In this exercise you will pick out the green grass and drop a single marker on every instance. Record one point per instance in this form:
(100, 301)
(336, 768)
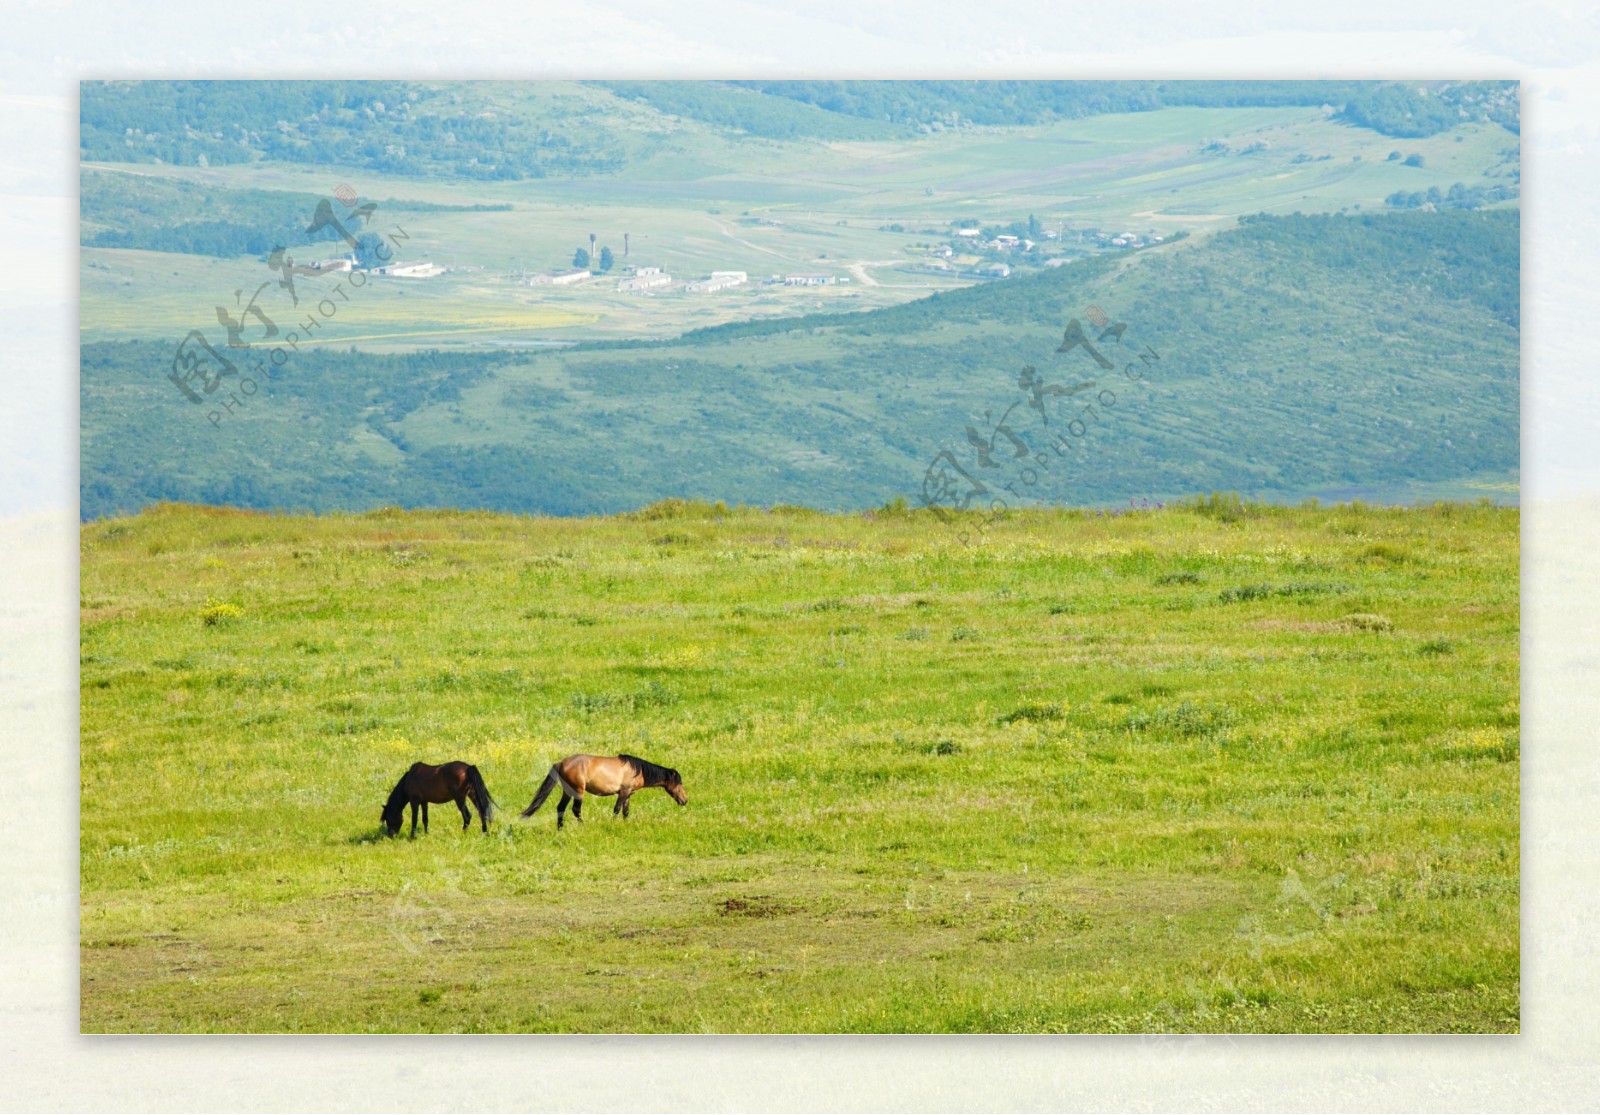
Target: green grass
(1072, 779)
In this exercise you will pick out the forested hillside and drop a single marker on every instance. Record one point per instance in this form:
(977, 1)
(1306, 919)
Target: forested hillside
(170, 215)
(393, 127)
(1296, 356)
(1394, 107)
(495, 131)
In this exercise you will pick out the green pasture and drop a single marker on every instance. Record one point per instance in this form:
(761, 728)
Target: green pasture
(692, 199)
(1216, 767)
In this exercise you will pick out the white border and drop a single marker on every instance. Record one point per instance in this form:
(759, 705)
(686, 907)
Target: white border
(49, 47)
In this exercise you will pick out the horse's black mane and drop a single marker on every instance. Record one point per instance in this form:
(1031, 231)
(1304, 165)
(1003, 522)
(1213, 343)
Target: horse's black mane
(653, 774)
(397, 799)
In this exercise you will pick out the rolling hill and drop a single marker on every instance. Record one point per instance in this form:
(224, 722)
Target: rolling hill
(1293, 356)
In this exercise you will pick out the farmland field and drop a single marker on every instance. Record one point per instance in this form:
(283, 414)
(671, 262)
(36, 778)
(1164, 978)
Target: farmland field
(706, 201)
(1213, 767)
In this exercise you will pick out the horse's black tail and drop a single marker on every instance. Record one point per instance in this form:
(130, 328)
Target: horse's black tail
(551, 780)
(486, 804)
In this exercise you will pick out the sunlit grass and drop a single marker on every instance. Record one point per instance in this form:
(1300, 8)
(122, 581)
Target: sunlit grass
(1073, 778)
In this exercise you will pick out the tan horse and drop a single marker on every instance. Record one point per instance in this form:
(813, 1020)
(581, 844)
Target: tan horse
(581, 775)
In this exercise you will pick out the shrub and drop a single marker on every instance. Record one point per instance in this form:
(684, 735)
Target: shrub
(1034, 713)
(654, 695)
(1382, 551)
(679, 509)
(1225, 507)
(1184, 719)
(1293, 588)
(1244, 592)
(216, 612)
(1183, 577)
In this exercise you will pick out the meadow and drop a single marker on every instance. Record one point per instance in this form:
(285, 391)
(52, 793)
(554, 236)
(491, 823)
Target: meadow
(1212, 767)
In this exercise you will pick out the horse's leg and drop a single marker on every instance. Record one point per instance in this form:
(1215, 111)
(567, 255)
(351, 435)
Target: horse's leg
(424, 816)
(466, 814)
(622, 804)
(577, 808)
(561, 811)
(413, 820)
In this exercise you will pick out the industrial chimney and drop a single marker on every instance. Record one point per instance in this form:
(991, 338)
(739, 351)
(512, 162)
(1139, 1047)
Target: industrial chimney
(624, 245)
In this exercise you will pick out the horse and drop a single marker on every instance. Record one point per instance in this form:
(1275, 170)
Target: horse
(422, 784)
(580, 775)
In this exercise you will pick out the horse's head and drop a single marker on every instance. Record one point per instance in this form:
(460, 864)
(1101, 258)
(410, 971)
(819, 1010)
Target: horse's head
(674, 786)
(393, 813)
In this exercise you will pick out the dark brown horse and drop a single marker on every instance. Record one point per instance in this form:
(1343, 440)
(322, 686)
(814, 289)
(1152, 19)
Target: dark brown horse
(581, 775)
(423, 784)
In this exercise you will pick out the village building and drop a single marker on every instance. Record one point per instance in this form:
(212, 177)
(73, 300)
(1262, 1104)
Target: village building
(719, 280)
(808, 280)
(413, 270)
(645, 278)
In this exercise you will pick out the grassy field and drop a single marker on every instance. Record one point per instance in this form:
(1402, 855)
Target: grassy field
(1211, 768)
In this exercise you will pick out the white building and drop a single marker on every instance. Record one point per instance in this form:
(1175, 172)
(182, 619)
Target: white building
(421, 270)
(807, 280)
(645, 278)
(720, 280)
(569, 276)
